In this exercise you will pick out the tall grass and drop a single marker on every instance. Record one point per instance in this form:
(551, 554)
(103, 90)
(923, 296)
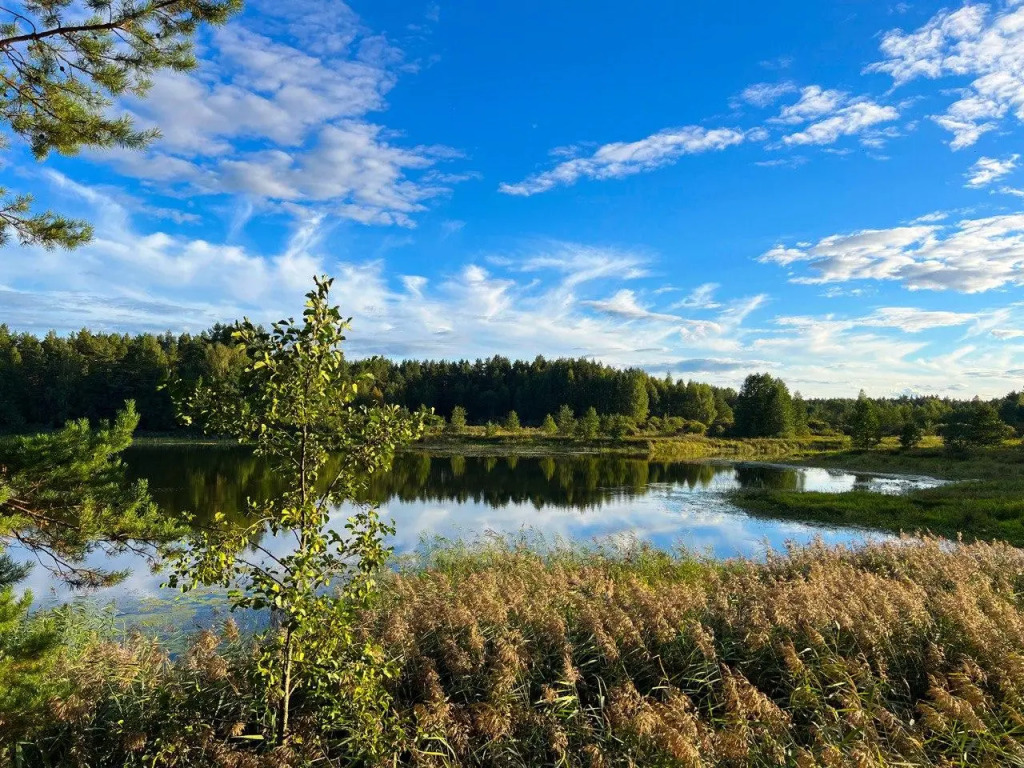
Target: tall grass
(897, 654)
(910, 653)
(696, 447)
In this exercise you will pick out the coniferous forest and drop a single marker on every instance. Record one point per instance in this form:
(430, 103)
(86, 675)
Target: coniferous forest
(47, 381)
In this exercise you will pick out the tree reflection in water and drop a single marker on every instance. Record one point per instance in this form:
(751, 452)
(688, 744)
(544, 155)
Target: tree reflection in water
(204, 480)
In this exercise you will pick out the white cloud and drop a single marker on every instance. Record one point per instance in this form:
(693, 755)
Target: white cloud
(287, 123)
(702, 297)
(624, 304)
(765, 94)
(553, 299)
(582, 263)
(989, 169)
(930, 218)
(971, 256)
(620, 159)
(855, 118)
(914, 320)
(814, 102)
(972, 42)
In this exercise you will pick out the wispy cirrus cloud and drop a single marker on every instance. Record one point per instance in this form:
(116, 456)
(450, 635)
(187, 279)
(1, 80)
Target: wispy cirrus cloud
(619, 159)
(624, 304)
(701, 297)
(765, 94)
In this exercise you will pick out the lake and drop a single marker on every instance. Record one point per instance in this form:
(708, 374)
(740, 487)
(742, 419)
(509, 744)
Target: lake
(559, 498)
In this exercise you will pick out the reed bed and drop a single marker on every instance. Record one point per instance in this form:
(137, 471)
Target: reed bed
(907, 653)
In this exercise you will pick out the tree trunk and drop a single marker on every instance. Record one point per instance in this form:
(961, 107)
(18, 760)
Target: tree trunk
(286, 690)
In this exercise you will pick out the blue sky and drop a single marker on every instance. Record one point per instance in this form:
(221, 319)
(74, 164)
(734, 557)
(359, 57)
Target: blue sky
(830, 191)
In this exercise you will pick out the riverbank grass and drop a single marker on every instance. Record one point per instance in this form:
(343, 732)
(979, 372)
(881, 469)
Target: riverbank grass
(984, 499)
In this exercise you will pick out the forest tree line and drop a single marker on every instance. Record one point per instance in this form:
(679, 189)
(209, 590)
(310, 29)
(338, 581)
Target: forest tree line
(44, 382)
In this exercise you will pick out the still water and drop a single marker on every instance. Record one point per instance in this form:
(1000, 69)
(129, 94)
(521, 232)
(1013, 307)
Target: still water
(564, 498)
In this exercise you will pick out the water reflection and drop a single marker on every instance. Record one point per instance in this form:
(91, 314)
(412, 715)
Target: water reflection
(572, 498)
(204, 480)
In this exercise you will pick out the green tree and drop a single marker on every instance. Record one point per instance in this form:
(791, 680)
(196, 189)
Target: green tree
(800, 417)
(1011, 411)
(297, 406)
(566, 421)
(490, 429)
(763, 407)
(972, 425)
(724, 418)
(618, 425)
(28, 657)
(698, 403)
(63, 496)
(590, 424)
(512, 422)
(457, 423)
(63, 64)
(865, 428)
(910, 434)
(636, 401)
(548, 426)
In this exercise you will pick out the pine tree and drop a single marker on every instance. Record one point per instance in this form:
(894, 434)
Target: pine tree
(63, 66)
(64, 495)
(29, 648)
(548, 426)
(512, 422)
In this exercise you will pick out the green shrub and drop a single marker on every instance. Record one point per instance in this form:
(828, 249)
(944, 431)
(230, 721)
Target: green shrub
(457, 422)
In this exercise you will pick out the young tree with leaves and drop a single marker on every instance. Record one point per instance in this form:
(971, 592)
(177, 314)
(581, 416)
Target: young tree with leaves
(865, 427)
(63, 64)
(566, 421)
(457, 423)
(911, 434)
(297, 406)
(590, 424)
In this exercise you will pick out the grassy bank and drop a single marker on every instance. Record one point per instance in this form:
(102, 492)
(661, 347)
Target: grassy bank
(532, 442)
(690, 448)
(904, 655)
(985, 499)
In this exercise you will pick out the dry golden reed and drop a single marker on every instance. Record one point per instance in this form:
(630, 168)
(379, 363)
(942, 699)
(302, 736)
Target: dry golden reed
(904, 653)
(907, 653)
